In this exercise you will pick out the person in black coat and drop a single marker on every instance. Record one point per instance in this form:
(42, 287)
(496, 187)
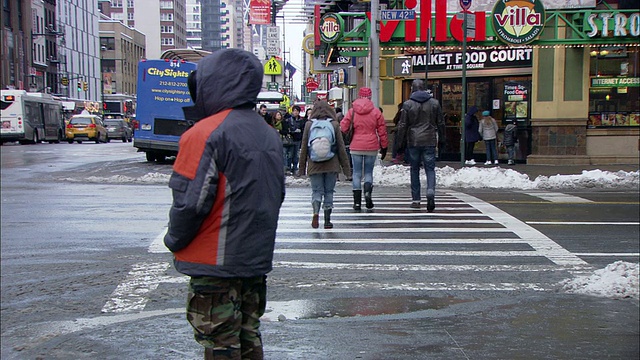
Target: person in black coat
(471, 134)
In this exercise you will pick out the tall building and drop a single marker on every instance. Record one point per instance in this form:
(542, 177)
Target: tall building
(79, 49)
(221, 21)
(15, 24)
(194, 30)
(121, 47)
(163, 22)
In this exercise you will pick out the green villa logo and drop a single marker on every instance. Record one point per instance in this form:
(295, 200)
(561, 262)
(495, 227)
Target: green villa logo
(518, 22)
(330, 28)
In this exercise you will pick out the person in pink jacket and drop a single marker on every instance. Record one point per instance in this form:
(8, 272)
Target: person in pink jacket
(369, 136)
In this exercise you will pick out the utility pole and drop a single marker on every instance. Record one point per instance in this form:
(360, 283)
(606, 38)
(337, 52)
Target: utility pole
(374, 46)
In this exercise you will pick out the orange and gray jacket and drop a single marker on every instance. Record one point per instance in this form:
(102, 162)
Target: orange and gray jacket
(227, 181)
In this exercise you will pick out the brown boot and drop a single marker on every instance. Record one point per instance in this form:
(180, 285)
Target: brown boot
(316, 216)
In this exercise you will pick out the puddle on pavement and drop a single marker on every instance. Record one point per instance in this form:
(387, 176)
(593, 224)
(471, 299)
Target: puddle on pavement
(350, 307)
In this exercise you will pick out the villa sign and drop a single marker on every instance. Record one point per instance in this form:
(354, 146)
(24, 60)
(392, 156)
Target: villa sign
(518, 22)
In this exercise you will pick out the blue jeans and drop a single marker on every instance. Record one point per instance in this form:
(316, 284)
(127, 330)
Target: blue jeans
(288, 151)
(425, 156)
(360, 161)
(492, 153)
(511, 150)
(296, 156)
(323, 185)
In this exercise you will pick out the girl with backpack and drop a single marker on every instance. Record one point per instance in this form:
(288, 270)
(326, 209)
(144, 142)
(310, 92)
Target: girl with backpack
(369, 136)
(330, 157)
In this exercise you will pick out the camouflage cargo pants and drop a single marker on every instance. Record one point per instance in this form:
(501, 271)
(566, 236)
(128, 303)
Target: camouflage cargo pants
(225, 315)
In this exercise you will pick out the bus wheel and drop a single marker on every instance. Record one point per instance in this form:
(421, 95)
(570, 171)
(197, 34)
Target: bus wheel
(79, 141)
(161, 158)
(151, 156)
(70, 141)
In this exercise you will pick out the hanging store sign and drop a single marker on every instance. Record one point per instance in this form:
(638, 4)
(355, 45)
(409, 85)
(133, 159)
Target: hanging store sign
(612, 24)
(479, 59)
(615, 82)
(330, 28)
(518, 22)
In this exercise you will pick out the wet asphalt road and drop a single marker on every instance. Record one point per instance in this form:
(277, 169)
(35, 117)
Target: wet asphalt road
(84, 274)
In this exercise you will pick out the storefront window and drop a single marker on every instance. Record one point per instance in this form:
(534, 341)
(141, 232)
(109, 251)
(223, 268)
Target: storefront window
(614, 89)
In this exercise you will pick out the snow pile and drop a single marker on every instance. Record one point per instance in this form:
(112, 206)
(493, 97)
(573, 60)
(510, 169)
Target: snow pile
(589, 179)
(149, 178)
(446, 177)
(618, 280)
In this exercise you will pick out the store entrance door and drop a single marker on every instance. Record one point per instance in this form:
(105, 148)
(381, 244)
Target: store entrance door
(478, 94)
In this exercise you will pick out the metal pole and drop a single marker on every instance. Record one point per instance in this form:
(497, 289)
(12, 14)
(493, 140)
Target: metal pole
(427, 56)
(464, 85)
(375, 53)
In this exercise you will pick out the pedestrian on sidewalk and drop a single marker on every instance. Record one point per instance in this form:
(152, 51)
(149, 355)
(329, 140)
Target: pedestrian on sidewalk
(488, 129)
(323, 174)
(471, 135)
(369, 137)
(510, 138)
(420, 130)
(227, 186)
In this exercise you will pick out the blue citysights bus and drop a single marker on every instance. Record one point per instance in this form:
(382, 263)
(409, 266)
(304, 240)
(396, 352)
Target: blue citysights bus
(162, 94)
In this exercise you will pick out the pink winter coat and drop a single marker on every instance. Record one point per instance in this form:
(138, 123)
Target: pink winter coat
(369, 128)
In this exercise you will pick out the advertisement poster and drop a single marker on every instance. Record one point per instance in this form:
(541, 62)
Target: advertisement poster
(516, 101)
(260, 12)
(601, 119)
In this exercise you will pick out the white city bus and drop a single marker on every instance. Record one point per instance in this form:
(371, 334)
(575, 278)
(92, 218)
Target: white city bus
(30, 117)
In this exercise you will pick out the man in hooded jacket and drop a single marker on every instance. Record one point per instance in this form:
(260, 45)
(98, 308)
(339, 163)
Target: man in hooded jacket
(419, 130)
(228, 186)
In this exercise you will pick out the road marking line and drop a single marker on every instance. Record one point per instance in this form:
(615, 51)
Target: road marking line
(609, 254)
(132, 294)
(580, 223)
(409, 214)
(395, 230)
(453, 222)
(421, 267)
(428, 286)
(558, 197)
(157, 245)
(531, 253)
(400, 241)
(541, 243)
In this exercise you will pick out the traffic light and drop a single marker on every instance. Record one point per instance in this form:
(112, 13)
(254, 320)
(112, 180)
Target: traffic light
(85, 86)
(79, 85)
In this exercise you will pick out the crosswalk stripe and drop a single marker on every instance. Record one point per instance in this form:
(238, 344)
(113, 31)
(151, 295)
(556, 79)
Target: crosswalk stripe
(410, 252)
(423, 267)
(396, 230)
(395, 221)
(543, 245)
(558, 197)
(299, 240)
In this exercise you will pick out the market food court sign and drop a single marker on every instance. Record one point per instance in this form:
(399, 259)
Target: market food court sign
(479, 59)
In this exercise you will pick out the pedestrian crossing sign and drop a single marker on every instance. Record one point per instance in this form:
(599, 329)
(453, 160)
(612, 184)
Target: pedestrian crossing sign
(272, 67)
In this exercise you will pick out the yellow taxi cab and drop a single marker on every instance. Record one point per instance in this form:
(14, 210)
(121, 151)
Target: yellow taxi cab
(86, 127)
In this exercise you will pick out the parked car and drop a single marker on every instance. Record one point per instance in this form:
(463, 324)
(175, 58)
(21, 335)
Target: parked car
(118, 129)
(86, 127)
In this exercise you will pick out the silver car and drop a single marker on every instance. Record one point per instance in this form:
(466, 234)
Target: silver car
(118, 129)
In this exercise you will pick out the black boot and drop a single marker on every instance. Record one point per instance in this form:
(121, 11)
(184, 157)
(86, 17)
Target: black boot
(316, 214)
(327, 219)
(357, 200)
(431, 203)
(368, 187)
